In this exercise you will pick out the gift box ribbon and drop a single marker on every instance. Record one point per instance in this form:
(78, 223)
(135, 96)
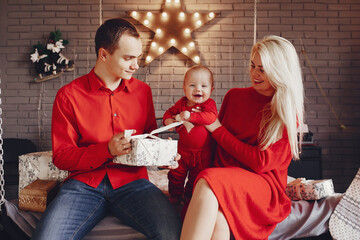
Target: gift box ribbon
(151, 135)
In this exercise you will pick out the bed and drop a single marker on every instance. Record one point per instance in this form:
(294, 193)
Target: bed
(307, 219)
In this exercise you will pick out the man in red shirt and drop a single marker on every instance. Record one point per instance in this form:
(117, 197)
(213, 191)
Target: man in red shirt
(89, 117)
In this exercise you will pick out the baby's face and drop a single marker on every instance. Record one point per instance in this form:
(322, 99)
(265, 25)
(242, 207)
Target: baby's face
(197, 87)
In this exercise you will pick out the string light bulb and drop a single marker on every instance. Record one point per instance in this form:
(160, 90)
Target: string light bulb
(172, 27)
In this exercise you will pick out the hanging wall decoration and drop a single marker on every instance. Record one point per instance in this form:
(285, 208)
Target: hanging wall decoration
(172, 28)
(48, 60)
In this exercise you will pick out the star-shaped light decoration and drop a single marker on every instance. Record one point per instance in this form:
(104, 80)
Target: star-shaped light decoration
(172, 28)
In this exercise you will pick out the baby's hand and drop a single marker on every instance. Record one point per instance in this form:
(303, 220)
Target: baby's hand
(185, 115)
(169, 121)
(197, 109)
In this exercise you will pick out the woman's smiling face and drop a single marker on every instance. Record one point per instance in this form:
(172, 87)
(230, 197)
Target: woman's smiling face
(259, 80)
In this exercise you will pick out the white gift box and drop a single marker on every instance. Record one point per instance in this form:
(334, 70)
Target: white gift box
(149, 150)
(38, 165)
(302, 189)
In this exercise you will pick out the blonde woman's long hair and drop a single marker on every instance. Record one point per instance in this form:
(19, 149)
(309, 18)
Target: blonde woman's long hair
(286, 109)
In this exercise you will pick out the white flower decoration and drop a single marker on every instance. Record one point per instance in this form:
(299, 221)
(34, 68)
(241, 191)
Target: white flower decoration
(35, 56)
(55, 47)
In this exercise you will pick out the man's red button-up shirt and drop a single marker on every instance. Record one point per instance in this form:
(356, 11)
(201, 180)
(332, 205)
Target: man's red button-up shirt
(86, 115)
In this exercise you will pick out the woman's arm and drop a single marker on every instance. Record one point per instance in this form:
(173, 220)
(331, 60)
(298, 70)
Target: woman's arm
(252, 156)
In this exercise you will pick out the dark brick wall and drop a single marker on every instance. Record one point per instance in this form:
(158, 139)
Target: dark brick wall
(329, 30)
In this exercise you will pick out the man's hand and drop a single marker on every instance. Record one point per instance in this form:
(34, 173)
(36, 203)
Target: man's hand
(119, 145)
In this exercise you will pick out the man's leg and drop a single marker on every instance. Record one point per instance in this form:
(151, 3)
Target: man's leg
(141, 205)
(73, 213)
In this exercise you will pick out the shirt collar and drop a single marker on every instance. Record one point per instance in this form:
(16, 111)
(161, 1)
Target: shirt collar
(96, 84)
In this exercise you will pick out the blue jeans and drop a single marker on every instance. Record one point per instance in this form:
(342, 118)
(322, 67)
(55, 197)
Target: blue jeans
(78, 208)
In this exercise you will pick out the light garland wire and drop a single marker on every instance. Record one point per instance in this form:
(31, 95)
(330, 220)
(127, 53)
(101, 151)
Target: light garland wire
(342, 126)
(255, 18)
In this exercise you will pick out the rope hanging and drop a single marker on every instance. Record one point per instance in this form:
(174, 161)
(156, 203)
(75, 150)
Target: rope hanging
(342, 126)
(255, 17)
(41, 116)
(100, 12)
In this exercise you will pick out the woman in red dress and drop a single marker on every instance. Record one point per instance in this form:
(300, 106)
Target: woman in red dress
(243, 196)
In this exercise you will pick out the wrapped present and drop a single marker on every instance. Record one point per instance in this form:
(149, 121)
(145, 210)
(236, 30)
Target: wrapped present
(302, 189)
(149, 150)
(37, 195)
(38, 165)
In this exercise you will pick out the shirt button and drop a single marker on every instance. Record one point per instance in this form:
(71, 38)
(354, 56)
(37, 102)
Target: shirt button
(112, 94)
(115, 114)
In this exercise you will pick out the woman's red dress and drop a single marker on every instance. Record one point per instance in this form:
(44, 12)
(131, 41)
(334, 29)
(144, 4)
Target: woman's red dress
(248, 183)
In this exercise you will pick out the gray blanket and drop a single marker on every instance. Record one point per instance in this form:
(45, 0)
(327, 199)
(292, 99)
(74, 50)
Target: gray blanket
(307, 218)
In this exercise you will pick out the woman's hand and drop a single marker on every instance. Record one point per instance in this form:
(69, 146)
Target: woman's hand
(215, 125)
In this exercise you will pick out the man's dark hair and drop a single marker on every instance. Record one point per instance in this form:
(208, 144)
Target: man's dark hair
(109, 33)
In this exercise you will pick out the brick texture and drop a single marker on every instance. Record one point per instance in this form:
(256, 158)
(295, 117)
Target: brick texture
(328, 29)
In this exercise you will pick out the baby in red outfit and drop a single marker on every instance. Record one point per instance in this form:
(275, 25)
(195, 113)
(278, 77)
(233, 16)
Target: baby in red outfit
(196, 109)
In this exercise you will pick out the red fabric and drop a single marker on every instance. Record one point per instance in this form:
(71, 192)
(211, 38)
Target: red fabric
(248, 183)
(194, 146)
(191, 163)
(85, 117)
(198, 137)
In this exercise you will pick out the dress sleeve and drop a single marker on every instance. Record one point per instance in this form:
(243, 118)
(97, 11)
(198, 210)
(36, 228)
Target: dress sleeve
(207, 115)
(67, 155)
(259, 161)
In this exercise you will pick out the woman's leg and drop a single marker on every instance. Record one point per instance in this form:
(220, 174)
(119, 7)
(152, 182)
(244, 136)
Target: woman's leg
(222, 229)
(202, 219)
